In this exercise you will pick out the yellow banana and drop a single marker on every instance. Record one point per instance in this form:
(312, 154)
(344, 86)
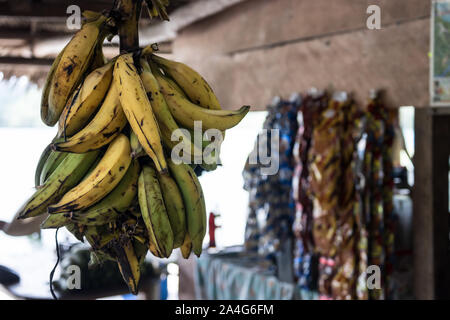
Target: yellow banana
(138, 109)
(186, 112)
(76, 58)
(186, 247)
(175, 208)
(104, 178)
(90, 15)
(103, 128)
(105, 211)
(85, 101)
(194, 203)
(46, 90)
(166, 122)
(156, 70)
(128, 263)
(141, 248)
(99, 59)
(192, 83)
(154, 213)
(70, 171)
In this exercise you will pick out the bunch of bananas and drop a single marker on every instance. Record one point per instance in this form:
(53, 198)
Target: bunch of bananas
(108, 175)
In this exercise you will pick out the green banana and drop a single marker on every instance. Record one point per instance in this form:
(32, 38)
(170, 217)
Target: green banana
(186, 113)
(105, 211)
(194, 203)
(70, 171)
(41, 163)
(167, 124)
(76, 230)
(175, 208)
(53, 161)
(154, 212)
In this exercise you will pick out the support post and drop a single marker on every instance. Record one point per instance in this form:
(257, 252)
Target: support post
(431, 203)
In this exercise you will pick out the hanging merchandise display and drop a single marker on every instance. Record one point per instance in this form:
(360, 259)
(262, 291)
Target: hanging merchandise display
(374, 212)
(342, 188)
(271, 206)
(305, 259)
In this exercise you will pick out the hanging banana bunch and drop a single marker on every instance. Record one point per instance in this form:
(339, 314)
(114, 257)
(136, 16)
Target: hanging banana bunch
(109, 176)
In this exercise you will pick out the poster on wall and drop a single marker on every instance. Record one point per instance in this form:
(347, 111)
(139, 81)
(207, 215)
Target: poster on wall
(440, 53)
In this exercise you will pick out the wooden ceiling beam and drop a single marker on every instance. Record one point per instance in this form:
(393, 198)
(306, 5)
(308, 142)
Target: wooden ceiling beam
(26, 34)
(26, 61)
(48, 8)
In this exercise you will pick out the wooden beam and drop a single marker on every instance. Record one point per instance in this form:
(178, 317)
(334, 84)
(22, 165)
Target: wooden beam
(355, 61)
(26, 61)
(257, 25)
(26, 34)
(183, 17)
(49, 8)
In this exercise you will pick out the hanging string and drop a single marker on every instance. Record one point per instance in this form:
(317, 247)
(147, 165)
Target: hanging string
(54, 268)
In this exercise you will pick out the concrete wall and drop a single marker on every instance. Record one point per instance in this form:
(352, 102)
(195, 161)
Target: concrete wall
(262, 48)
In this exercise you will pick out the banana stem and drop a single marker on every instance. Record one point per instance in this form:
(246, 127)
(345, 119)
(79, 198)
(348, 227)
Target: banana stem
(130, 11)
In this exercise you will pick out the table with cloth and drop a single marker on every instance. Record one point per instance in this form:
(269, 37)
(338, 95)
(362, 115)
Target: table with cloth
(239, 276)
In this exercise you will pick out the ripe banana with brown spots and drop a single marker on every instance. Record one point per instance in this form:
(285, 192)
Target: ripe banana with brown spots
(101, 130)
(102, 180)
(69, 68)
(138, 110)
(167, 124)
(85, 101)
(69, 172)
(186, 113)
(108, 209)
(191, 82)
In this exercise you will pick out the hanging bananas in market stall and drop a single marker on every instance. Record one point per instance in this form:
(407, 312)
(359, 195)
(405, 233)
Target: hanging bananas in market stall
(109, 176)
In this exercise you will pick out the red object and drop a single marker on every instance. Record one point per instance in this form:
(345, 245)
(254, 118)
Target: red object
(212, 229)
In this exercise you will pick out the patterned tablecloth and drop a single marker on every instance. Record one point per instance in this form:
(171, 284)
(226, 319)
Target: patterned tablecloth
(238, 278)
